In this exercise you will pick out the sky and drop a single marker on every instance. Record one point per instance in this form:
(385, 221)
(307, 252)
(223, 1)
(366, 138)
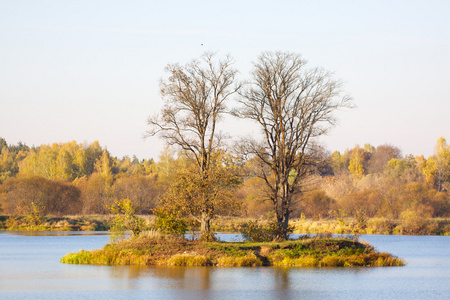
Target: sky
(90, 70)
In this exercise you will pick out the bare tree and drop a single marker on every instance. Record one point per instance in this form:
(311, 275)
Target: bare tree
(293, 105)
(380, 158)
(195, 96)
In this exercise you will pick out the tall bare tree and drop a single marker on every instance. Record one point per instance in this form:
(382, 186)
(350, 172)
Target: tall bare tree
(292, 105)
(195, 96)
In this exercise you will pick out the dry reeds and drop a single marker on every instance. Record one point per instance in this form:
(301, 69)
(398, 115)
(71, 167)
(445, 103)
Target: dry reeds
(193, 260)
(249, 260)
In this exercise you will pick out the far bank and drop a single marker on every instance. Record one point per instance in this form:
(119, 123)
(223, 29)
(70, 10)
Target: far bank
(413, 225)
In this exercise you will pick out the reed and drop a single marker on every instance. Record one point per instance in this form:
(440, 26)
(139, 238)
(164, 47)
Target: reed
(249, 260)
(386, 260)
(303, 261)
(82, 257)
(332, 261)
(193, 260)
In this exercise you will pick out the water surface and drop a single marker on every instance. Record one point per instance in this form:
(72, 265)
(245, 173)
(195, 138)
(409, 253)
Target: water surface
(30, 268)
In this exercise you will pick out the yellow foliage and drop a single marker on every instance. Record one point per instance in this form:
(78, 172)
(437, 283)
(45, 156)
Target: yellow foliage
(356, 163)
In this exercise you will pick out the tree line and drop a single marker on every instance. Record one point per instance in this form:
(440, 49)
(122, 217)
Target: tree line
(363, 182)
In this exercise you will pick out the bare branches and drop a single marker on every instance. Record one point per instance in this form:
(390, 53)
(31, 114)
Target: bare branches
(293, 105)
(195, 97)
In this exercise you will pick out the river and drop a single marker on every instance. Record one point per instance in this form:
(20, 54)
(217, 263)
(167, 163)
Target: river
(30, 269)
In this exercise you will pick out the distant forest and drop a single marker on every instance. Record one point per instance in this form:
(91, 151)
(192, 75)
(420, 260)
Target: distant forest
(361, 183)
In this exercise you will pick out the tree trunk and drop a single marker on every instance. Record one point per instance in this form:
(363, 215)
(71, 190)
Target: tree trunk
(282, 226)
(285, 224)
(282, 213)
(205, 229)
(205, 223)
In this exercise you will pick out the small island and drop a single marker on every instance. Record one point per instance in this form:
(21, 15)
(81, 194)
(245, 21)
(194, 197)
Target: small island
(153, 248)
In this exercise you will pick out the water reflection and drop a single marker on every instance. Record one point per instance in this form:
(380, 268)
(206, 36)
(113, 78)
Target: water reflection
(227, 279)
(192, 278)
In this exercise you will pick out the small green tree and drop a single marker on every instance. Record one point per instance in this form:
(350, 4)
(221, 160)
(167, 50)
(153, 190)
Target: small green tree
(125, 220)
(35, 214)
(169, 220)
(253, 232)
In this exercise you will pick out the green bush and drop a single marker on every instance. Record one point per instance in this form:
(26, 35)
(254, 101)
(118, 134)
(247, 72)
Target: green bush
(253, 232)
(168, 221)
(124, 220)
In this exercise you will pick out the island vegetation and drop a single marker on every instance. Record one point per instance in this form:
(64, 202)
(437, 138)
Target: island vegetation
(153, 248)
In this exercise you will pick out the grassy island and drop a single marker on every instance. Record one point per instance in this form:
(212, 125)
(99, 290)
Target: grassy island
(154, 249)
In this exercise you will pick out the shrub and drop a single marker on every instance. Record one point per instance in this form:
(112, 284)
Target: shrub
(253, 232)
(316, 204)
(35, 215)
(413, 222)
(169, 221)
(207, 237)
(125, 219)
(54, 197)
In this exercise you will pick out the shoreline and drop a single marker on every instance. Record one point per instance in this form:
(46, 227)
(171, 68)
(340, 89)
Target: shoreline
(383, 226)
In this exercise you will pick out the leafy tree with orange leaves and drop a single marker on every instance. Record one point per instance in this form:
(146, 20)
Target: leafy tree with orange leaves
(195, 196)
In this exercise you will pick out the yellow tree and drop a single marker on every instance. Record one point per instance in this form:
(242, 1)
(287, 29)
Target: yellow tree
(103, 166)
(57, 161)
(8, 165)
(64, 165)
(337, 162)
(428, 168)
(355, 166)
(42, 162)
(81, 163)
(442, 161)
(93, 153)
(437, 167)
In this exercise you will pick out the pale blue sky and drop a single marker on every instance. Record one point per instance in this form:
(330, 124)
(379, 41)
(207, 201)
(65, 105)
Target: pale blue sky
(89, 70)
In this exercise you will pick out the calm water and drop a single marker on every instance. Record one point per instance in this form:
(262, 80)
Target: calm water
(30, 269)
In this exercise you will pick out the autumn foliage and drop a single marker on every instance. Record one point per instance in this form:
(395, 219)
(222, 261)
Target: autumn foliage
(376, 183)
